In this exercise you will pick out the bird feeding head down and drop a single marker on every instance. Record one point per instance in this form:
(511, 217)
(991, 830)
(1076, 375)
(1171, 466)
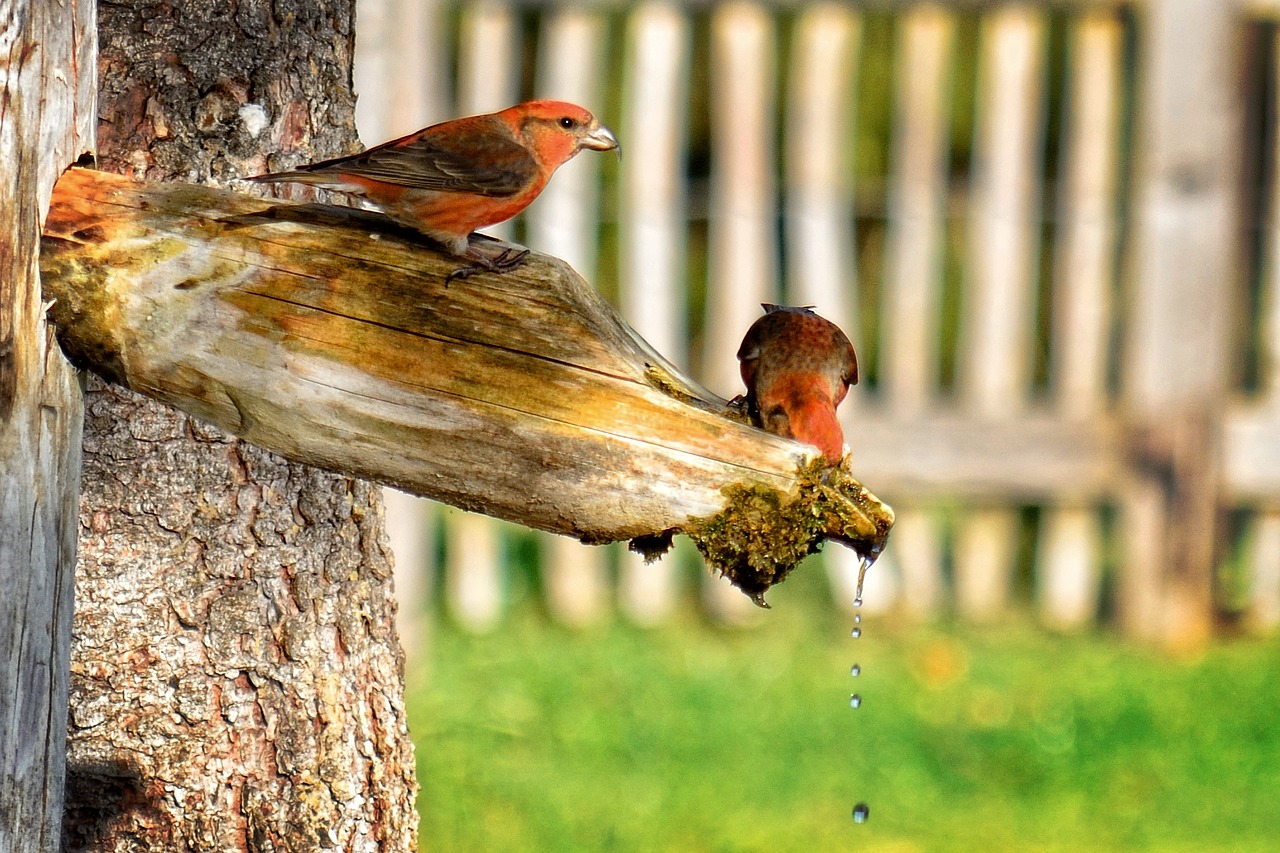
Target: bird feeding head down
(798, 367)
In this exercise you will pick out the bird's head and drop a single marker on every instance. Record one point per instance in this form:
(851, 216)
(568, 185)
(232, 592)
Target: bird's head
(557, 130)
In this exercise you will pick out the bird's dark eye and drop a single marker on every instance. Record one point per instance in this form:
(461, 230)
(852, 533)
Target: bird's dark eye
(567, 123)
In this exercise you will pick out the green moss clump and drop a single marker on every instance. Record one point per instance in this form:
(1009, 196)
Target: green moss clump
(762, 533)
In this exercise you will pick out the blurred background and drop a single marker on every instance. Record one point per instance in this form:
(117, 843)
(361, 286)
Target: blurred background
(1050, 229)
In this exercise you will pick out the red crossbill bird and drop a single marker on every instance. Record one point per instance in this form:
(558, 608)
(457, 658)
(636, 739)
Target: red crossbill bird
(456, 177)
(797, 367)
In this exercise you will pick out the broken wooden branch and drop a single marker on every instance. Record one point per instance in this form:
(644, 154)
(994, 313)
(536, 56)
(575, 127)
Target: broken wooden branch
(332, 336)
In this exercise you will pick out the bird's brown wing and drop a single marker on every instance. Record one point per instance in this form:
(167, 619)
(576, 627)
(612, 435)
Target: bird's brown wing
(476, 155)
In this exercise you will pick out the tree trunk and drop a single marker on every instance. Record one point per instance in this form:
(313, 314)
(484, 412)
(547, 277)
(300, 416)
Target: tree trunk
(46, 97)
(236, 680)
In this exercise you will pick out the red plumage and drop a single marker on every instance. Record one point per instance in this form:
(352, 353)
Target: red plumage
(453, 178)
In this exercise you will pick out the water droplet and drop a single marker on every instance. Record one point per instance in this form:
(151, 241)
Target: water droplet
(863, 565)
(855, 670)
(856, 633)
(861, 812)
(855, 700)
(857, 618)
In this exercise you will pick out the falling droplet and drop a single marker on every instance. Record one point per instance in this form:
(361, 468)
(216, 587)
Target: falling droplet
(857, 618)
(863, 565)
(861, 812)
(856, 633)
(855, 700)
(855, 670)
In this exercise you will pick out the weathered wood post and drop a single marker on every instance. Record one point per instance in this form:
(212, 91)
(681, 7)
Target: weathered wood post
(46, 77)
(1183, 270)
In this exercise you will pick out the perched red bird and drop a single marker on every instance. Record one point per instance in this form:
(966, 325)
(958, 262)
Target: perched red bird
(458, 176)
(797, 367)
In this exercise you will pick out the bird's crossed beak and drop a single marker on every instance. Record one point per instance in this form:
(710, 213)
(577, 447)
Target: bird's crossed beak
(601, 138)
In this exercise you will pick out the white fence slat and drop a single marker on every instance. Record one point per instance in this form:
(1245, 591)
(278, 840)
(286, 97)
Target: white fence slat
(1186, 213)
(488, 67)
(1143, 555)
(1185, 204)
(1071, 546)
(913, 561)
(917, 209)
(488, 80)
(742, 236)
(1087, 234)
(371, 68)
(652, 279)
(819, 131)
(984, 562)
(410, 524)
(818, 136)
(997, 328)
(400, 78)
(909, 331)
(1067, 571)
(1270, 338)
(565, 222)
(399, 82)
(574, 581)
(647, 594)
(652, 291)
(1263, 557)
(488, 57)
(1264, 562)
(473, 570)
(743, 263)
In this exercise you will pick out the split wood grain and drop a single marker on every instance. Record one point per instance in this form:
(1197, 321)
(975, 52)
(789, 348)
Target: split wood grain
(332, 337)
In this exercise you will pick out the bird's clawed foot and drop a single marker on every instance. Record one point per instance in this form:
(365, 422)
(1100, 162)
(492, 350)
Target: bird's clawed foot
(741, 409)
(489, 254)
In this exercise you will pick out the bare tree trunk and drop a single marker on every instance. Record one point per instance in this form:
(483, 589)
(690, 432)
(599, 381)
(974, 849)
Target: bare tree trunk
(236, 680)
(46, 97)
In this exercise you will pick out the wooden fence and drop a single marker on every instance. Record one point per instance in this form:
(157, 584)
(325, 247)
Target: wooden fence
(1047, 228)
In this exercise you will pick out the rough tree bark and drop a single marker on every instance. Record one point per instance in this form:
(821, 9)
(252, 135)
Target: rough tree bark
(46, 96)
(236, 680)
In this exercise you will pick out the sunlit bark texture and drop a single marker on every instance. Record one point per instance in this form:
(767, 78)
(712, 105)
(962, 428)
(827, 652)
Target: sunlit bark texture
(236, 681)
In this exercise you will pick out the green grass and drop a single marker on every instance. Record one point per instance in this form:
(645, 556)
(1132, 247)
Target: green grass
(693, 738)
